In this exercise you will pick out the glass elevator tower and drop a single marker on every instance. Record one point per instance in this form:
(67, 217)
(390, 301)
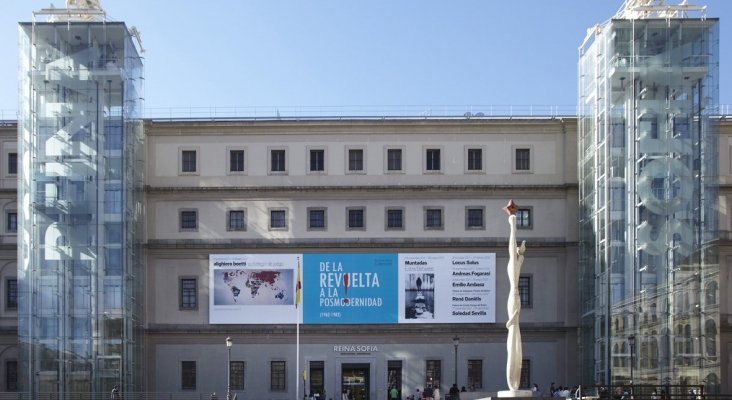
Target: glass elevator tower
(648, 184)
(80, 194)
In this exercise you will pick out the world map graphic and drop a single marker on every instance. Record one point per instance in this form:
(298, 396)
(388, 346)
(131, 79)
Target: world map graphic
(253, 287)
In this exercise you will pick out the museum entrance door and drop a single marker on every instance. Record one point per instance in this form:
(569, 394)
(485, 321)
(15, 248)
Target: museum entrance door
(355, 381)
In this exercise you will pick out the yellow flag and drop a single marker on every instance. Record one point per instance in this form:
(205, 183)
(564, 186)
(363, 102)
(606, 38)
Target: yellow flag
(298, 286)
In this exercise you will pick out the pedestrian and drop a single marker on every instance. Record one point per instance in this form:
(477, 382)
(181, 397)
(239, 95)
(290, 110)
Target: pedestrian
(436, 393)
(454, 392)
(115, 393)
(393, 393)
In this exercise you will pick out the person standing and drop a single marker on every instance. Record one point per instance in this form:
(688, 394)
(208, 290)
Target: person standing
(393, 393)
(115, 393)
(454, 392)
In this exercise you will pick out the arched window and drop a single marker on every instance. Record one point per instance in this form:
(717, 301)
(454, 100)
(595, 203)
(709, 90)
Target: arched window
(710, 338)
(679, 339)
(710, 293)
(644, 353)
(654, 312)
(654, 351)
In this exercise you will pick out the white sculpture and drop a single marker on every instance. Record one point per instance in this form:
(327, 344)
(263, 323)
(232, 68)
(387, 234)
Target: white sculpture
(513, 306)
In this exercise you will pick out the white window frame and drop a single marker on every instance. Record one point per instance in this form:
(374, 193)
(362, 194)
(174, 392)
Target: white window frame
(325, 218)
(425, 209)
(467, 218)
(482, 160)
(180, 220)
(228, 220)
(514, 151)
(441, 150)
(403, 160)
(269, 219)
(386, 219)
(348, 219)
(348, 169)
(228, 160)
(180, 160)
(309, 152)
(269, 160)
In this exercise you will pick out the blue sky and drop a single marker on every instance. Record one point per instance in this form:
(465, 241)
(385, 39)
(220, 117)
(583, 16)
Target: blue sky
(282, 53)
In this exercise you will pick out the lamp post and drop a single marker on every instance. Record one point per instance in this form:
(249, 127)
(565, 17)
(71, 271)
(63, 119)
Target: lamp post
(229, 343)
(456, 343)
(631, 342)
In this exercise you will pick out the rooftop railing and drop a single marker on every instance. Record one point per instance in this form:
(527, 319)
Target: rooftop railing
(356, 112)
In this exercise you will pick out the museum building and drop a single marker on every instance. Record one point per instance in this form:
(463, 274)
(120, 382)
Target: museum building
(286, 256)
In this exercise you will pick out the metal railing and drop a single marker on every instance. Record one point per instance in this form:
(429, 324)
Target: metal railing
(357, 111)
(360, 111)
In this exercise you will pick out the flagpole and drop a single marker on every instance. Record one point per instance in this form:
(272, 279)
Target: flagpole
(298, 294)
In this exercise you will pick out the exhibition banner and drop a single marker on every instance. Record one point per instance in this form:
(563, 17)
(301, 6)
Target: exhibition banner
(343, 288)
(447, 288)
(252, 288)
(350, 289)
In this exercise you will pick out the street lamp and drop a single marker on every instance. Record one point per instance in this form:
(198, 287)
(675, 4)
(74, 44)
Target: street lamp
(631, 342)
(456, 343)
(229, 343)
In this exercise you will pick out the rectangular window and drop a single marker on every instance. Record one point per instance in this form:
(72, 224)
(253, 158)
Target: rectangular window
(394, 160)
(355, 160)
(189, 220)
(475, 159)
(395, 218)
(433, 218)
(475, 374)
(277, 376)
(12, 222)
(113, 198)
(188, 375)
(236, 375)
(523, 218)
(356, 218)
(316, 218)
(113, 263)
(188, 161)
(474, 218)
(524, 288)
(432, 160)
(236, 221)
(12, 163)
(523, 160)
(317, 378)
(188, 294)
(11, 294)
(525, 381)
(236, 161)
(11, 376)
(277, 219)
(317, 160)
(277, 161)
(433, 373)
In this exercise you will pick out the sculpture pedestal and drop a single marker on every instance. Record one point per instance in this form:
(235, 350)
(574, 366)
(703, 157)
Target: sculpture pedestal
(514, 393)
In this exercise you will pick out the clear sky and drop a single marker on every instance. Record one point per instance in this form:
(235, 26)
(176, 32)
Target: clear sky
(289, 53)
